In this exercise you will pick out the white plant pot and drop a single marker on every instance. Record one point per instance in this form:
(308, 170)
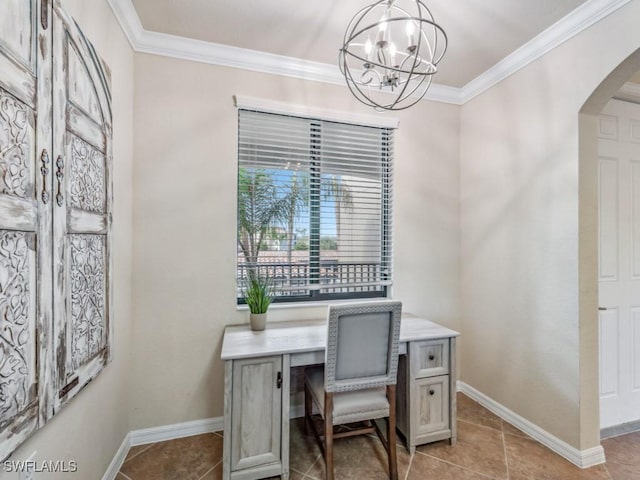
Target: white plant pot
(258, 321)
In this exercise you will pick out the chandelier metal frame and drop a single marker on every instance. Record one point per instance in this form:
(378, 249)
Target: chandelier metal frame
(378, 65)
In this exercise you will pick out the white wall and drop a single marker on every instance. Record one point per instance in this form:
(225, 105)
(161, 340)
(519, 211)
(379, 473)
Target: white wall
(92, 426)
(528, 325)
(185, 224)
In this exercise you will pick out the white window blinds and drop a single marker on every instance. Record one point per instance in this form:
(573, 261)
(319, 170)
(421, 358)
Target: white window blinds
(314, 206)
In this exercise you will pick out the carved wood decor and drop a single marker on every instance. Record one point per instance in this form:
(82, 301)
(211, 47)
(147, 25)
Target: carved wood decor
(16, 138)
(17, 340)
(55, 215)
(86, 189)
(87, 297)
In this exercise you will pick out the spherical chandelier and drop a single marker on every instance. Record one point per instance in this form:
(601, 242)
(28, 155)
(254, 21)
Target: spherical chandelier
(392, 46)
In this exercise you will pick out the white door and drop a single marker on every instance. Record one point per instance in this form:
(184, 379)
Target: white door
(619, 262)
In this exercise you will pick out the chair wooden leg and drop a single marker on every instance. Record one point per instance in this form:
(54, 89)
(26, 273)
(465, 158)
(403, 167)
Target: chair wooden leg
(391, 433)
(328, 434)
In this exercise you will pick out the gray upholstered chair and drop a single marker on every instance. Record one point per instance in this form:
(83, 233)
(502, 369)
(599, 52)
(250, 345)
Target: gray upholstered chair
(358, 380)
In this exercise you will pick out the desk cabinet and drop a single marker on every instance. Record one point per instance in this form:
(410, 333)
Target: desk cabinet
(256, 393)
(426, 392)
(256, 434)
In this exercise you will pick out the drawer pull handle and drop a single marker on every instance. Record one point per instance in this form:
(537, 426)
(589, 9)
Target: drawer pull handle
(432, 357)
(432, 392)
(279, 380)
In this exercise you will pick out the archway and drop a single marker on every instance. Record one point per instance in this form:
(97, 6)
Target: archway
(588, 243)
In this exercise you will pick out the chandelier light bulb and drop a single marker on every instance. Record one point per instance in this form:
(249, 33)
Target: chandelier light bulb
(368, 48)
(410, 30)
(383, 23)
(387, 73)
(392, 54)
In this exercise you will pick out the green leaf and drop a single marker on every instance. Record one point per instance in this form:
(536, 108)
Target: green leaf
(258, 293)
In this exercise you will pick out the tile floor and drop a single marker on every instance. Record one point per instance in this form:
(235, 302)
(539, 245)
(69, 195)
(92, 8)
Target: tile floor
(487, 448)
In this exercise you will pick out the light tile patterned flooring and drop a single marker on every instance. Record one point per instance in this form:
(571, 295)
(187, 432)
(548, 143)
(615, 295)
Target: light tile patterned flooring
(487, 448)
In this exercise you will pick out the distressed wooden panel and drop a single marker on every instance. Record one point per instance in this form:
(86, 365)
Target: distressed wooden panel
(80, 87)
(17, 146)
(25, 223)
(17, 19)
(44, 135)
(85, 222)
(82, 126)
(608, 218)
(18, 356)
(609, 352)
(256, 414)
(87, 259)
(17, 214)
(608, 127)
(14, 81)
(81, 257)
(86, 184)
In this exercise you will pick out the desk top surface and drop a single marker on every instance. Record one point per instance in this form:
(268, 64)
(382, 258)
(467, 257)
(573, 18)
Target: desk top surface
(309, 336)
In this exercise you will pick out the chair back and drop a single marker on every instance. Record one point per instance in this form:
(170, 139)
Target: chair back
(362, 345)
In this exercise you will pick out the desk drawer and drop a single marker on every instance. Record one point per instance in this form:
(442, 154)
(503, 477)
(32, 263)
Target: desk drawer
(307, 358)
(431, 408)
(429, 358)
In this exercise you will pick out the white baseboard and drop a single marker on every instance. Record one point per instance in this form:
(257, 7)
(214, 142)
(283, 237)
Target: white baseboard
(177, 430)
(118, 459)
(160, 434)
(581, 458)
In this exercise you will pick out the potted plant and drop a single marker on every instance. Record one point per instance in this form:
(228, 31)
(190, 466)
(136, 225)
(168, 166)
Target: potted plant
(258, 298)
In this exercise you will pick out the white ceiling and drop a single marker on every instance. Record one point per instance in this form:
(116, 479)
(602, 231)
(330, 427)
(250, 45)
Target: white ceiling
(480, 32)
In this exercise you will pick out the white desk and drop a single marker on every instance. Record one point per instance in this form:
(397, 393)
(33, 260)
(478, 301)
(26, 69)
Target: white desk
(256, 398)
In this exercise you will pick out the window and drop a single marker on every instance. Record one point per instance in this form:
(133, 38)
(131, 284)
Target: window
(314, 207)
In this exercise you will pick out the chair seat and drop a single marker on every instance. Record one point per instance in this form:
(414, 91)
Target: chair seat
(352, 406)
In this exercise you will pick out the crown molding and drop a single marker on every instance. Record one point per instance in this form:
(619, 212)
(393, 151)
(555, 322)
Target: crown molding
(128, 19)
(155, 43)
(144, 41)
(227, 56)
(567, 27)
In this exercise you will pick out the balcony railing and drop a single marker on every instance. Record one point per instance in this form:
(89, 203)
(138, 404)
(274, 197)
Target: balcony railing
(294, 279)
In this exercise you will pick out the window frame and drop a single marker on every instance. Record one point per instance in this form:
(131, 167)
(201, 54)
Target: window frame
(315, 185)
